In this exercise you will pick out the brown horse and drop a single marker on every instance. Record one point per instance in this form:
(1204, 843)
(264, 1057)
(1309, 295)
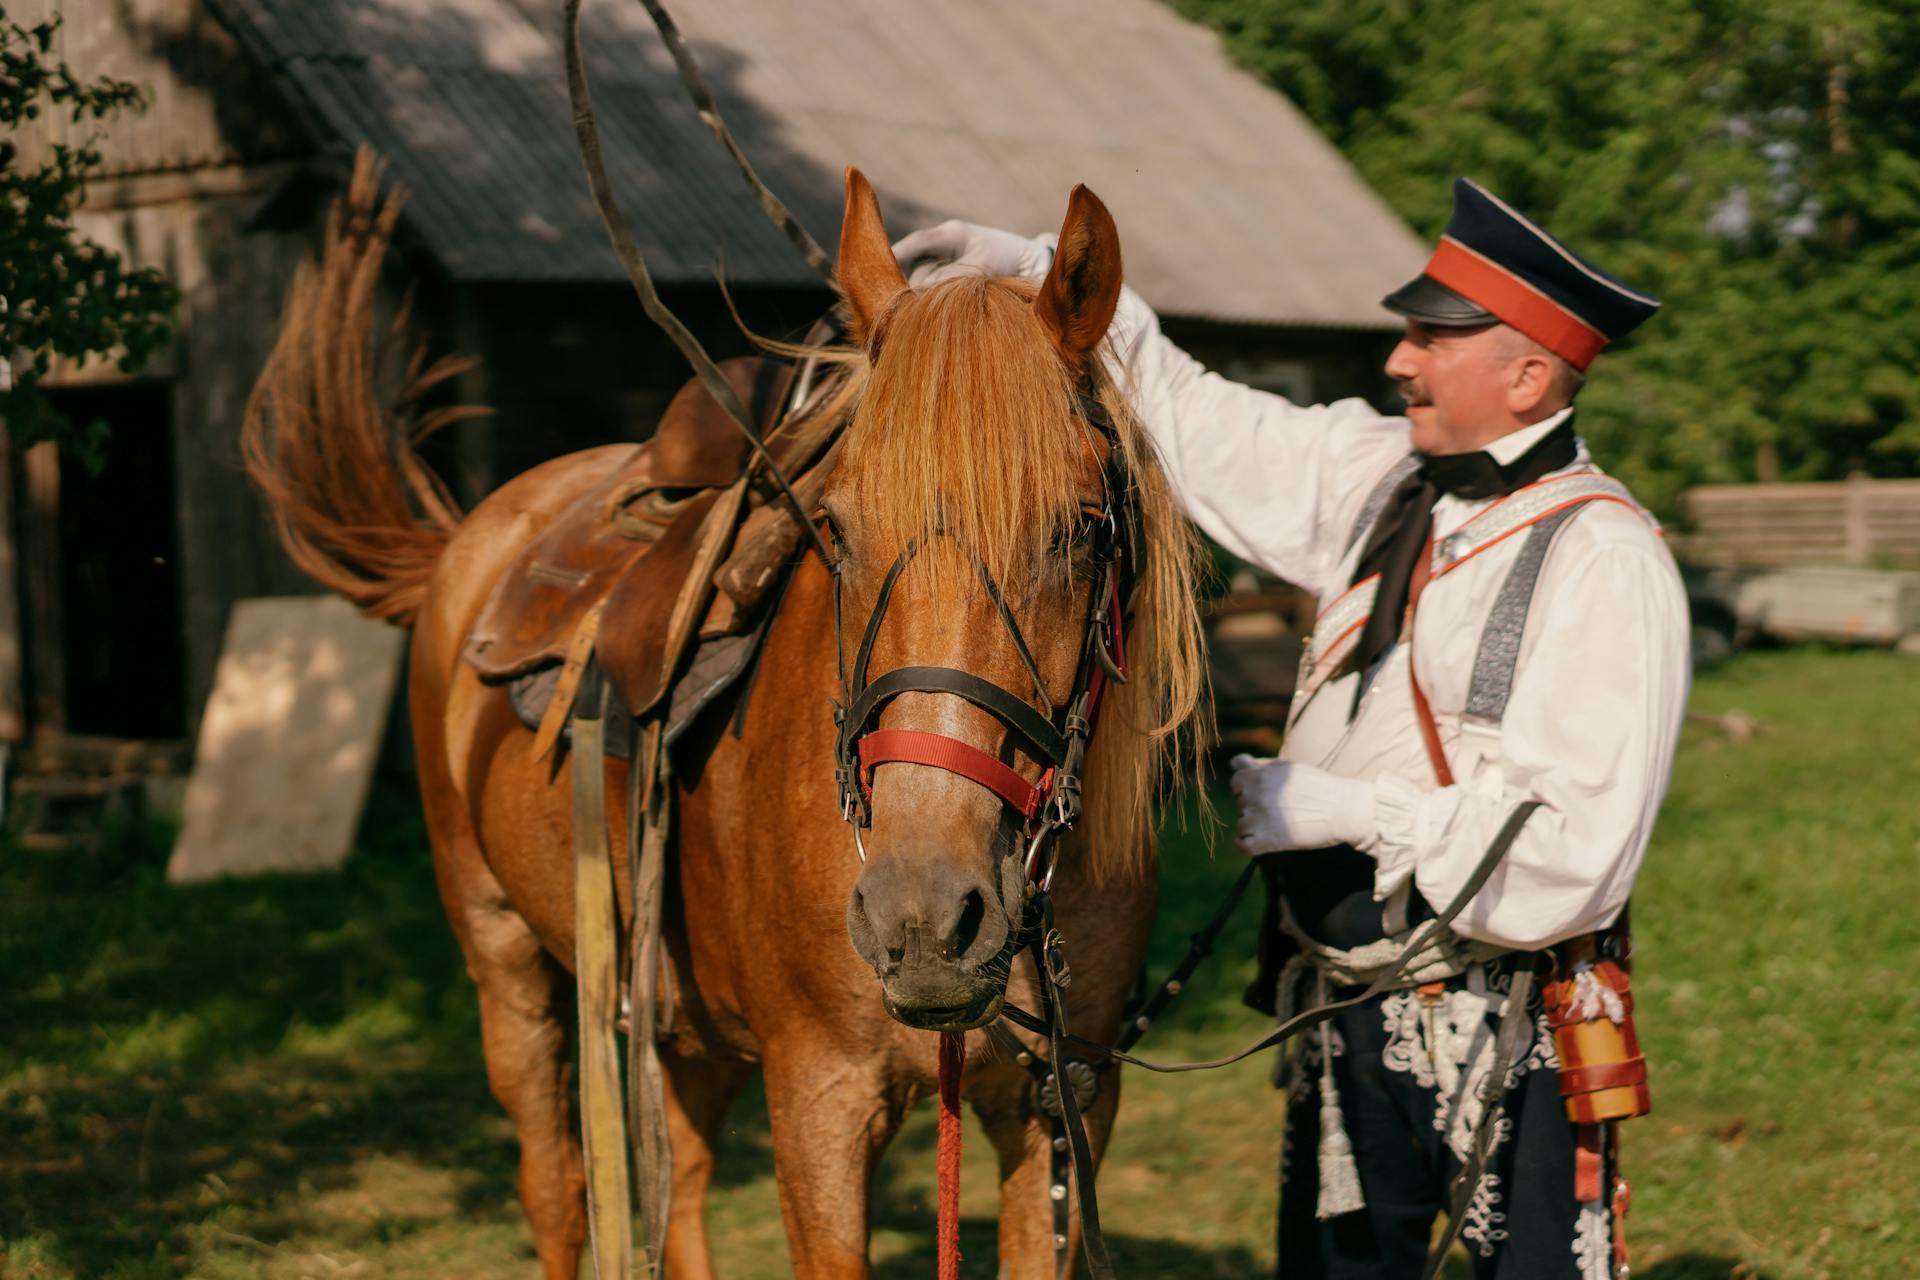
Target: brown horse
(967, 435)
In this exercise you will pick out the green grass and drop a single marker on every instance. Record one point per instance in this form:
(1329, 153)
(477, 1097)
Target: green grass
(281, 1078)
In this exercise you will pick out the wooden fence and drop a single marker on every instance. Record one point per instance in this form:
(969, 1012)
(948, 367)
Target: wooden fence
(1858, 521)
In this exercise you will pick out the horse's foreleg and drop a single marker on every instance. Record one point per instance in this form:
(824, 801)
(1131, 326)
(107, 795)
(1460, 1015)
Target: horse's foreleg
(526, 1007)
(1022, 1144)
(525, 1001)
(831, 1119)
(1023, 1141)
(698, 1092)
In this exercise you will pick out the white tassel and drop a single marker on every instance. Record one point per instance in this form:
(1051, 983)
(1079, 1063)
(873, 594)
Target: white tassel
(1339, 1175)
(1593, 999)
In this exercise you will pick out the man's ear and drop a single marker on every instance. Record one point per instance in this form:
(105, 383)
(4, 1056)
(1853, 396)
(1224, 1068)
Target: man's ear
(869, 274)
(1532, 384)
(1077, 299)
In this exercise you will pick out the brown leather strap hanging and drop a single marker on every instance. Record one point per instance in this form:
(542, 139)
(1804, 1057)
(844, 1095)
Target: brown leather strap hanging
(1429, 731)
(603, 1128)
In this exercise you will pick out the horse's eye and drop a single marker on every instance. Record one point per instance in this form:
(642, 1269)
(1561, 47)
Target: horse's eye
(1075, 540)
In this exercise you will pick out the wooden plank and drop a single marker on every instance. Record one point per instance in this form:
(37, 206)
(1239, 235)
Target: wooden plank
(1761, 521)
(1802, 545)
(1735, 510)
(1777, 531)
(1716, 492)
(1748, 516)
(288, 740)
(41, 580)
(13, 708)
(1766, 494)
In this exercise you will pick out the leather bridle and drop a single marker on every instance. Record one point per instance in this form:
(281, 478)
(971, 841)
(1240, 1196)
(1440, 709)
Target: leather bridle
(1057, 738)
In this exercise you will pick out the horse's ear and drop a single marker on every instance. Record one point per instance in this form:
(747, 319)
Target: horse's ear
(869, 275)
(1077, 299)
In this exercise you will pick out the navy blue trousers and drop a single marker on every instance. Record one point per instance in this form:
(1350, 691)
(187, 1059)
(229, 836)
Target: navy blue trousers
(1525, 1226)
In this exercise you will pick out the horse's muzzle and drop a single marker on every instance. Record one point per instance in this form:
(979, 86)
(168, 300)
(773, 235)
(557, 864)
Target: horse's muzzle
(937, 937)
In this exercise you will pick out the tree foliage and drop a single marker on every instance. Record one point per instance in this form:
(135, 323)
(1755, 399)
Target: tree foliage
(1755, 163)
(64, 295)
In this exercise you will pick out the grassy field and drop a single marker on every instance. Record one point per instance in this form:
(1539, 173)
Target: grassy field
(281, 1078)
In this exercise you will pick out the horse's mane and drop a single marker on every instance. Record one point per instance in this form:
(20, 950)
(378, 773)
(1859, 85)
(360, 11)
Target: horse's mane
(970, 426)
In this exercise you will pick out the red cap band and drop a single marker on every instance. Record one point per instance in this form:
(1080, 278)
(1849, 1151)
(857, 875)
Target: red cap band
(1480, 279)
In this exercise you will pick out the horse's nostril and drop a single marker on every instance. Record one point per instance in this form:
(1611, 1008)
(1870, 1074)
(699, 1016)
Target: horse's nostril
(967, 927)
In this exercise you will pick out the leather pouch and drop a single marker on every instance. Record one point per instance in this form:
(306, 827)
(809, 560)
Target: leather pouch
(1603, 1075)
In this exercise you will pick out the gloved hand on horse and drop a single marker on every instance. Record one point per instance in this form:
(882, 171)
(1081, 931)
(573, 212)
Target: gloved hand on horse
(964, 248)
(1285, 805)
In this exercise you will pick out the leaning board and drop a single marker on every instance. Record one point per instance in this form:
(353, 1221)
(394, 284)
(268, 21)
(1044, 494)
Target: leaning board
(289, 739)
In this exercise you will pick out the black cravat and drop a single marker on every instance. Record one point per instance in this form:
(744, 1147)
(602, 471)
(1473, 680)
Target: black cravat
(1399, 536)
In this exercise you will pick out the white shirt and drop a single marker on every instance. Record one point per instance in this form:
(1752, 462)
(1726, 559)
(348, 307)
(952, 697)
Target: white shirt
(1598, 696)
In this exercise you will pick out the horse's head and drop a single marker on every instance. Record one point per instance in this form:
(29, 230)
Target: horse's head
(996, 516)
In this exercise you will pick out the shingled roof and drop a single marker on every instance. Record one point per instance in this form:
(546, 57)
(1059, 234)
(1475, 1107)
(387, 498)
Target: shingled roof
(1230, 205)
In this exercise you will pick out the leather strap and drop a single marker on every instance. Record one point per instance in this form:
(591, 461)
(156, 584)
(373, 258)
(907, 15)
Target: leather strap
(910, 746)
(1045, 741)
(597, 984)
(650, 817)
(1589, 1163)
(1602, 1075)
(567, 685)
(1052, 966)
(1429, 731)
(1392, 979)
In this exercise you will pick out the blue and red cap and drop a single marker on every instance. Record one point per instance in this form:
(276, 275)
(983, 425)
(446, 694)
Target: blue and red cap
(1492, 264)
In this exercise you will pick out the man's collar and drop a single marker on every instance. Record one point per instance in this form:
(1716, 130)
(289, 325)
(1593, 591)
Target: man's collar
(1515, 443)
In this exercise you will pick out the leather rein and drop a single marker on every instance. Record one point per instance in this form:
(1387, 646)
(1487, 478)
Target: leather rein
(1058, 737)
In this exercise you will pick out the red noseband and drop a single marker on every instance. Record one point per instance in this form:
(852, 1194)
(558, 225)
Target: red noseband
(910, 746)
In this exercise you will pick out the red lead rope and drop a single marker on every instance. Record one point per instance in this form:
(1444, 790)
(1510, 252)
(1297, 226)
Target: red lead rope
(953, 1059)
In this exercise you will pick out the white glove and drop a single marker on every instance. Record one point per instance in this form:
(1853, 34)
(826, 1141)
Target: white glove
(963, 248)
(1284, 805)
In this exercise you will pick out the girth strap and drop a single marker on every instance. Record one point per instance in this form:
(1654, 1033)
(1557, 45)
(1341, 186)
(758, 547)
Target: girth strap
(910, 746)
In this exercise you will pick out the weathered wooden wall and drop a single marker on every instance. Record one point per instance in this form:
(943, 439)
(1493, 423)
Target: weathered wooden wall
(1861, 521)
(208, 105)
(222, 184)
(179, 189)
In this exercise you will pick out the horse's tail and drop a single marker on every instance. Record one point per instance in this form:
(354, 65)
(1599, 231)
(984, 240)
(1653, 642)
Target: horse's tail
(356, 507)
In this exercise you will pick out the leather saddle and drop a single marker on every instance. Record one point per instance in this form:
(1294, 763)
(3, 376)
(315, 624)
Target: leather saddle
(616, 562)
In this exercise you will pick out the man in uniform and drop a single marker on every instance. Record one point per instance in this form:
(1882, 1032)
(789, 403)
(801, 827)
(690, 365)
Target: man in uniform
(1502, 631)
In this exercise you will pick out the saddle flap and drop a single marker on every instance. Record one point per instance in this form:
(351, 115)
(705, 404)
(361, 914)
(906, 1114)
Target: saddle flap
(768, 540)
(539, 601)
(572, 564)
(653, 611)
(697, 445)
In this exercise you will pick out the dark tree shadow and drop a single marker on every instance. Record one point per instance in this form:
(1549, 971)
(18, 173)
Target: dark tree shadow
(231, 1049)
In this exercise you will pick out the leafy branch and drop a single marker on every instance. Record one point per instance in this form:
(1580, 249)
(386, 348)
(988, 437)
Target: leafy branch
(62, 295)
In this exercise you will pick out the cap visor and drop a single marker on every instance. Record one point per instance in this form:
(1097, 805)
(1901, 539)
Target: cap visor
(1427, 300)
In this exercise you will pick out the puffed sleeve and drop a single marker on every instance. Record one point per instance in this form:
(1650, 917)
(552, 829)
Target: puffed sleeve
(1590, 731)
(1273, 482)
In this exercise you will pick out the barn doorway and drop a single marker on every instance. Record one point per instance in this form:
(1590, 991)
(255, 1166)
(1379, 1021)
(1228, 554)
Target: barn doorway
(101, 582)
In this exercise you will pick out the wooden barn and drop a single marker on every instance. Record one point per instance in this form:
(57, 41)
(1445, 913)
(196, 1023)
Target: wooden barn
(1263, 249)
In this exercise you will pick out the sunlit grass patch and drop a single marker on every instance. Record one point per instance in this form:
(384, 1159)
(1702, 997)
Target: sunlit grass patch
(282, 1077)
